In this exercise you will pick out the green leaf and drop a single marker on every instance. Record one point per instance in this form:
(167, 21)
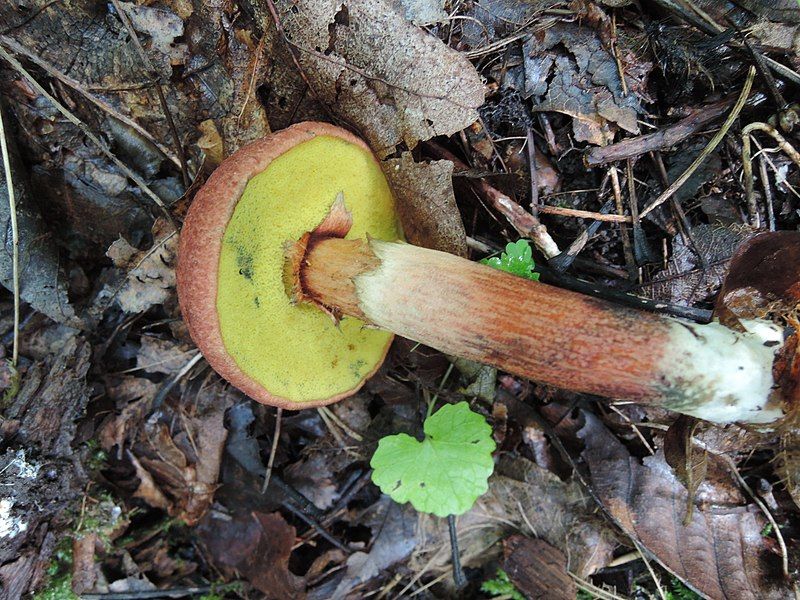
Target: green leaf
(517, 260)
(446, 472)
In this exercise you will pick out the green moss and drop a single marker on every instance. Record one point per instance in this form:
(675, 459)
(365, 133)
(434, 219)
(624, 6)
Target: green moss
(58, 589)
(59, 574)
(501, 586)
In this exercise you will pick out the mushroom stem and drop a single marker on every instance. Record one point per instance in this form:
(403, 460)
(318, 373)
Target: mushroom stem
(548, 334)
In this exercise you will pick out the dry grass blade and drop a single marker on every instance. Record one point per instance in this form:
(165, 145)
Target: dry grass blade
(710, 147)
(14, 237)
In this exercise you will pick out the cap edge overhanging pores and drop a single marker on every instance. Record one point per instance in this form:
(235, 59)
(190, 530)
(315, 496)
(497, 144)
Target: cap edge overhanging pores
(201, 246)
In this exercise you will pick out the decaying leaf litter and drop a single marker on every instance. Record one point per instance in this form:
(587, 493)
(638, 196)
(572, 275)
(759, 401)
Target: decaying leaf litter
(130, 468)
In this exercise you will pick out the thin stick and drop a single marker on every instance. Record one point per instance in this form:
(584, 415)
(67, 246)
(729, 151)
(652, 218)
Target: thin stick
(583, 214)
(762, 172)
(534, 177)
(656, 580)
(627, 247)
(92, 137)
(345, 427)
(783, 144)
(526, 224)
(712, 145)
(747, 176)
(458, 572)
(12, 207)
(161, 98)
(273, 450)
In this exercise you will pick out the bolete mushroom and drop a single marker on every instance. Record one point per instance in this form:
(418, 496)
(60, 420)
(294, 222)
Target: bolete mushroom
(231, 263)
(268, 255)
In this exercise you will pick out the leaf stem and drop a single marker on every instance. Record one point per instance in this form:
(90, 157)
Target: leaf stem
(458, 572)
(436, 395)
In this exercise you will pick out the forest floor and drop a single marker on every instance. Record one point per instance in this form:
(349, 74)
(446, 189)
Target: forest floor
(130, 469)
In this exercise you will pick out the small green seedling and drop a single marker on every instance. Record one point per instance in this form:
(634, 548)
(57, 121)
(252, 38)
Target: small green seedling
(501, 586)
(517, 260)
(444, 473)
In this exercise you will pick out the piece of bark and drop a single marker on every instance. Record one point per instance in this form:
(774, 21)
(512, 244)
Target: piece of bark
(537, 569)
(658, 140)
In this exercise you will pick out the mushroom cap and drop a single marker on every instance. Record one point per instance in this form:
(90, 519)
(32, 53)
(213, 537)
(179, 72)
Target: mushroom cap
(231, 260)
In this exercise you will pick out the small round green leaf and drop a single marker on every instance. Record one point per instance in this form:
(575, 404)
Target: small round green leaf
(446, 472)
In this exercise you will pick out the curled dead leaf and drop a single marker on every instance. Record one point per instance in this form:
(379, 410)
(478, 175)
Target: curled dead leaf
(720, 551)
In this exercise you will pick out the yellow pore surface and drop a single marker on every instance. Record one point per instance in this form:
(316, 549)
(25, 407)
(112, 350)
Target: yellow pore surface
(296, 352)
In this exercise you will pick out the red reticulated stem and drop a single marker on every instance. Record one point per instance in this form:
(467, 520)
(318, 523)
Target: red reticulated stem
(545, 333)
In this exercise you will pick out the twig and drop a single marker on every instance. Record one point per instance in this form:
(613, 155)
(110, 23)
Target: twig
(663, 138)
(583, 214)
(684, 226)
(162, 393)
(78, 87)
(12, 207)
(524, 222)
(784, 145)
(345, 427)
(650, 568)
(156, 594)
(710, 147)
(615, 52)
(627, 248)
(762, 172)
(534, 176)
(747, 166)
(566, 258)
(593, 589)
(159, 90)
(747, 176)
(273, 450)
(458, 572)
(642, 251)
(92, 137)
(312, 522)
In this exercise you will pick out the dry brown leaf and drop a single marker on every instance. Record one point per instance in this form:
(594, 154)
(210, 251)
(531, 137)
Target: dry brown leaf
(42, 281)
(425, 201)
(210, 142)
(158, 355)
(180, 448)
(148, 490)
(247, 64)
(258, 546)
(685, 281)
(384, 75)
(150, 276)
(522, 495)
(720, 552)
(394, 528)
(690, 463)
(583, 83)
